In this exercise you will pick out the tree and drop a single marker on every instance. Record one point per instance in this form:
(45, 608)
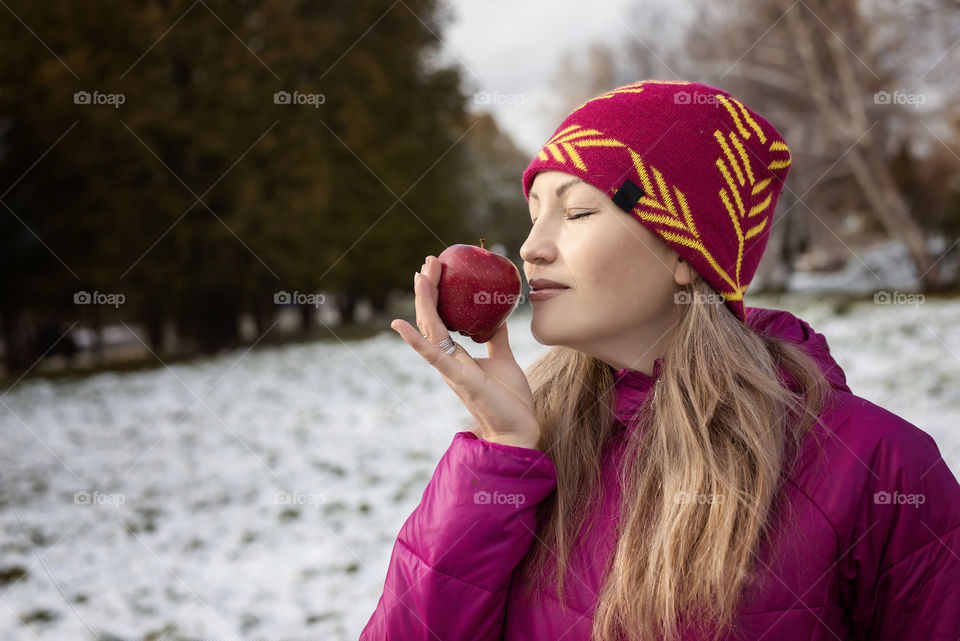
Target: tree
(202, 193)
(841, 78)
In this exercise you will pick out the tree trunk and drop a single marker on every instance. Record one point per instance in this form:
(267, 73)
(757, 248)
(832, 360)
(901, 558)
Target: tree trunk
(306, 318)
(15, 339)
(265, 312)
(347, 305)
(379, 305)
(98, 347)
(155, 333)
(886, 202)
(776, 265)
(215, 330)
(846, 119)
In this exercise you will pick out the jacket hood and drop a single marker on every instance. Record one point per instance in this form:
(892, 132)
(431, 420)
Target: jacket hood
(783, 324)
(631, 386)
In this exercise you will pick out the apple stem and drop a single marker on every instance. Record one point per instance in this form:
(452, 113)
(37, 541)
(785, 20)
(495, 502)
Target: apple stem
(481, 242)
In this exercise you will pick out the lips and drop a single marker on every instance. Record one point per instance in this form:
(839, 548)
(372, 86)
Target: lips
(537, 284)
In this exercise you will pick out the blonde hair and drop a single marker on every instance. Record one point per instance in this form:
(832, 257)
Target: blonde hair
(719, 422)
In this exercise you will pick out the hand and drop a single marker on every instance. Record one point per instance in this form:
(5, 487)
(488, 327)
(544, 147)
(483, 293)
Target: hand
(493, 389)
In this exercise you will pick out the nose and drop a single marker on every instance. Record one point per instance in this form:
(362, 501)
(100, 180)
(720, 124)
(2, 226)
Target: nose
(540, 246)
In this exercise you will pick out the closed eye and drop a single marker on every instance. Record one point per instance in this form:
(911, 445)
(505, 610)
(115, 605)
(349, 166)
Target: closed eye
(581, 214)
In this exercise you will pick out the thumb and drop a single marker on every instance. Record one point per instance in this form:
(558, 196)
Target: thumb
(499, 345)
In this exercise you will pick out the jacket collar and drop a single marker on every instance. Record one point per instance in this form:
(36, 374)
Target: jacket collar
(631, 387)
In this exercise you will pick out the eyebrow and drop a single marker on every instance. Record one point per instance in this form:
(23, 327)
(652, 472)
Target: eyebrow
(562, 188)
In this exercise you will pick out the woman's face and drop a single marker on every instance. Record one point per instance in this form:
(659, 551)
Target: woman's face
(620, 277)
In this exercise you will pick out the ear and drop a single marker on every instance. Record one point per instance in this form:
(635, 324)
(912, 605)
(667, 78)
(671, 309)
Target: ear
(683, 272)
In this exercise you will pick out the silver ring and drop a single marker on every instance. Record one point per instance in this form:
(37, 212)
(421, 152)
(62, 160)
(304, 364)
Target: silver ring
(447, 342)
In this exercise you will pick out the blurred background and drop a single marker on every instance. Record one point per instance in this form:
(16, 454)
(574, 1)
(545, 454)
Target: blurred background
(210, 210)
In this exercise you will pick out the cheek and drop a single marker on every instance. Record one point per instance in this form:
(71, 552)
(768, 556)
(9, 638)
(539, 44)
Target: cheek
(601, 264)
(622, 264)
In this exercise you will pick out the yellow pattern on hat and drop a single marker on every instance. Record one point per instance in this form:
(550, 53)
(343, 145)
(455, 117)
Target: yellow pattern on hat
(576, 134)
(635, 87)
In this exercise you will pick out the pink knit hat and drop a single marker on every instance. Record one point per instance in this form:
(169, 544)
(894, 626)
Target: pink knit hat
(691, 162)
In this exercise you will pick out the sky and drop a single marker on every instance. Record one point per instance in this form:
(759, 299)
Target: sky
(509, 51)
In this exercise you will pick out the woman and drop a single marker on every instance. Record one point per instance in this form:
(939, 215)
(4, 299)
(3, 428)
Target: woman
(678, 465)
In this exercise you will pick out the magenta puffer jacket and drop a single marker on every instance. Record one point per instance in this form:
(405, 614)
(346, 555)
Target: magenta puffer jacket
(872, 551)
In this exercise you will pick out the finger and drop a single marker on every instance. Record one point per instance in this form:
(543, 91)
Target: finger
(434, 270)
(428, 320)
(499, 345)
(446, 364)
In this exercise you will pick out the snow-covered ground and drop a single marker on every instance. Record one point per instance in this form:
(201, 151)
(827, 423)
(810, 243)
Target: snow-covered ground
(257, 495)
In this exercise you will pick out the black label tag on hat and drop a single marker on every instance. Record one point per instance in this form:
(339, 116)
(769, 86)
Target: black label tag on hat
(627, 196)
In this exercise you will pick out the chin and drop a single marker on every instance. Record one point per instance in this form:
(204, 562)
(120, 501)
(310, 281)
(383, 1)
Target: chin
(548, 337)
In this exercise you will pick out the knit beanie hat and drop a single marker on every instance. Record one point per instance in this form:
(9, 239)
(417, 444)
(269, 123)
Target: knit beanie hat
(690, 161)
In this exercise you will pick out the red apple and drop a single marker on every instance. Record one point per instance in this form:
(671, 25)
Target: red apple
(478, 290)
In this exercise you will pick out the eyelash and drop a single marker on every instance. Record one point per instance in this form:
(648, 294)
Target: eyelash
(581, 214)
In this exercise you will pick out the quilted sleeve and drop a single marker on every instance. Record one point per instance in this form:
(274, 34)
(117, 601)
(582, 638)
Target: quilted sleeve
(452, 562)
(904, 563)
